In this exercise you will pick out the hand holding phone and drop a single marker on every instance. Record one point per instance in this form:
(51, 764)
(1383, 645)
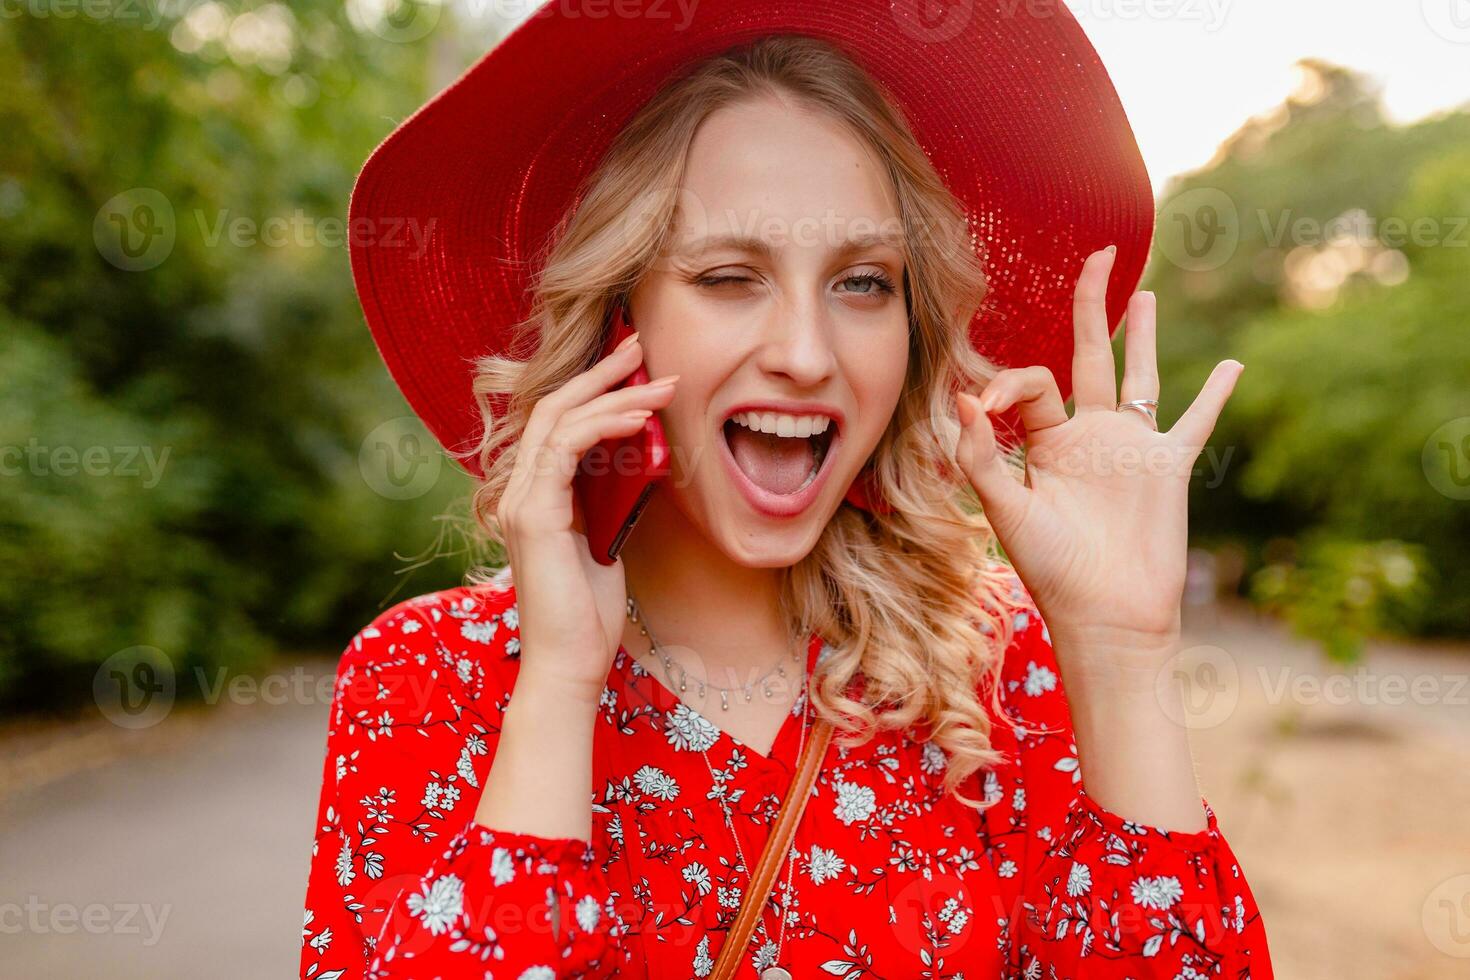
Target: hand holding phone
(617, 476)
(573, 600)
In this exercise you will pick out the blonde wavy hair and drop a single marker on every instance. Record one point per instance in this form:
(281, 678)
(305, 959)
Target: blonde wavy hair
(915, 603)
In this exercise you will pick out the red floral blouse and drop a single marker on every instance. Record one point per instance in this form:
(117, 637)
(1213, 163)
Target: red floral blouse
(892, 880)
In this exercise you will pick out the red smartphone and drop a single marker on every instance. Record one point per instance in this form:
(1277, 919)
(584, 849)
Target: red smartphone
(616, 477)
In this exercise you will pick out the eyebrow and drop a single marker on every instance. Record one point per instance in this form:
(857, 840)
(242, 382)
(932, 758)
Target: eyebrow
(755, 245)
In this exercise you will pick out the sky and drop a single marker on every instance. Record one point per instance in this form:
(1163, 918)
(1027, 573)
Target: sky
(1189, 72)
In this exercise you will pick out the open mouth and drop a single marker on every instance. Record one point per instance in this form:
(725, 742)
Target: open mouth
(779, 454)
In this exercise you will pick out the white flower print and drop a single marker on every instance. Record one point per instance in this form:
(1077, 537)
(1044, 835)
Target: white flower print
(385, 726)
(502, 868)
(933, 759)
(824, 865)
(1157, 893)
(345, 874)
(465, 767)
(478, 632)
(377, 807)
(703, 965)
(889, 833)
(588, 913)
(1068, 763)
(854, 802)
(439, 904)
(687, 729)
(1079, 880)
(765, 956)
(698, 876)
(511, 618)
(1039, 680)
(653, 781)
(954, 916)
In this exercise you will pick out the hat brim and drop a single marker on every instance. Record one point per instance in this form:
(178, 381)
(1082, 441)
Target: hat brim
(1010, 102)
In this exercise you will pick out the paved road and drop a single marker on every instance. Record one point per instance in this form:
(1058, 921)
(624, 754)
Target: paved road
(181, 850)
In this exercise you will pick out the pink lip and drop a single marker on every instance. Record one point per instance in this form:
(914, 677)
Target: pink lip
(763, 500)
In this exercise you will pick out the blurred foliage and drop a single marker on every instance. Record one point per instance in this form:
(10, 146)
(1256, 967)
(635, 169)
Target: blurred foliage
(1347, 297)
(240, 365)
(1338, 591)
(188, 446)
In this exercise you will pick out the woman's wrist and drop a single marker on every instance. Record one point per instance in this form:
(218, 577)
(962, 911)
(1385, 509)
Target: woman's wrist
(540, 780)
(1128, 719)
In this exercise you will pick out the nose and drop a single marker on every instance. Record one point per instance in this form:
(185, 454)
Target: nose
(797, 342)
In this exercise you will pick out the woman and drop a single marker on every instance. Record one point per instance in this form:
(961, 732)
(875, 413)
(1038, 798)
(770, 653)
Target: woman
(570, 768)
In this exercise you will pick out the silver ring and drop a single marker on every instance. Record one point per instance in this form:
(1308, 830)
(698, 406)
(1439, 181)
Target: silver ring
(1147, 407)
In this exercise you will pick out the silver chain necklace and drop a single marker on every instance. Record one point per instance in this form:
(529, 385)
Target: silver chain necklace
(635, 613)
(774, 971)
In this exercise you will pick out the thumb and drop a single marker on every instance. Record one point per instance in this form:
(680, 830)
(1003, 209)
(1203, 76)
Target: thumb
(979, 458)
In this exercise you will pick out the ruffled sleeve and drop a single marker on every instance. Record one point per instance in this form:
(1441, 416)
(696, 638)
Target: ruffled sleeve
(403, 882)
(1096, 895)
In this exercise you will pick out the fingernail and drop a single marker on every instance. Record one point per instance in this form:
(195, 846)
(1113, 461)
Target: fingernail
(1111, 250)
(628, 341)
(667, 379)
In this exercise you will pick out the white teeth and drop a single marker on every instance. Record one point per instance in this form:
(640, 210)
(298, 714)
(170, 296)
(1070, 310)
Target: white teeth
(797, 426)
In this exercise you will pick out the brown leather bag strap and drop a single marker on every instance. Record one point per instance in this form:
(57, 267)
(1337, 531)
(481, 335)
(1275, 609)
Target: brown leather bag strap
(763, 877)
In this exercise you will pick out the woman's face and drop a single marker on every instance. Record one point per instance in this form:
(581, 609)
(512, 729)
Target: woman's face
(802, 325)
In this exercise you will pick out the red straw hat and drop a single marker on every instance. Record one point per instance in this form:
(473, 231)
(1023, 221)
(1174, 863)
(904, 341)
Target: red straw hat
(1008, 99)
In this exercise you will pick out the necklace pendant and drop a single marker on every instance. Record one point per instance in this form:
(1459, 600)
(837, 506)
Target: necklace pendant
(725, 700)
(775, 973)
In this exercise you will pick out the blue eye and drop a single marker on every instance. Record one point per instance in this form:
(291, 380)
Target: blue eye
(875, 281)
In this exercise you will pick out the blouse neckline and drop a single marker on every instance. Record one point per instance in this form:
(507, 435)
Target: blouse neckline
(632, 676)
